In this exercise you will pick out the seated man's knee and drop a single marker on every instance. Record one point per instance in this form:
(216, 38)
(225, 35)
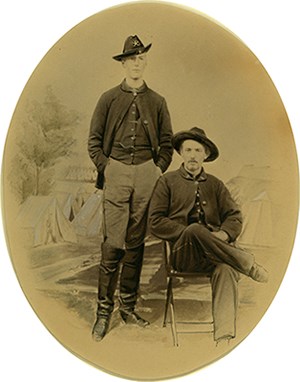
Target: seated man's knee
(196, 230)
(225, 270)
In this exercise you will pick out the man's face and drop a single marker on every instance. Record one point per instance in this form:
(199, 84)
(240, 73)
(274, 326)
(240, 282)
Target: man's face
(193, 154)
(134, 66)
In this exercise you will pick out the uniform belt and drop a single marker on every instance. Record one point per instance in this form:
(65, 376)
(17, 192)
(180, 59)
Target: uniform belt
(119, 146)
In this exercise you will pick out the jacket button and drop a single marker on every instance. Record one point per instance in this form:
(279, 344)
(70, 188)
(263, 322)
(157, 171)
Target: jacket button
(204, 202)
(145, 122)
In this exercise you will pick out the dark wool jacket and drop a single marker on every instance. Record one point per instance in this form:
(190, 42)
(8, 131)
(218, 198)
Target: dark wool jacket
(109, 114)
(174, 197)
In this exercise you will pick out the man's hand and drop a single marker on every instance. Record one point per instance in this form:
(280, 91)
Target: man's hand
(222, 235)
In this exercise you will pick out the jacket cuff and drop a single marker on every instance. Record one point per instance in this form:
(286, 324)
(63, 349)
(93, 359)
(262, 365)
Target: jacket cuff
(231, 234)
(102, 164)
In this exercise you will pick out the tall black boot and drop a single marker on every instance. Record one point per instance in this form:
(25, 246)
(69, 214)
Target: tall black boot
(129, 285)
(130, 277)
(108, 278)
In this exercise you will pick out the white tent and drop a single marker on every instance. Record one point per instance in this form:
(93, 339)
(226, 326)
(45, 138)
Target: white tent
(258, 222)
(66, 203)
(88, 221)
(43, 221)
(258, 192)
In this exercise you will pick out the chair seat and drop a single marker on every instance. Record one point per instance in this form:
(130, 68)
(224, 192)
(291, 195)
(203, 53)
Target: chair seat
(173, 273)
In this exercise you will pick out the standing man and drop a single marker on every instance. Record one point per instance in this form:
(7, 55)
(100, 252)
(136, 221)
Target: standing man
(130, 144)
(194, 211)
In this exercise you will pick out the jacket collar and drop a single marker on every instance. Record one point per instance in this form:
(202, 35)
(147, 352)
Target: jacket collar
(126, 88)
(185, 174)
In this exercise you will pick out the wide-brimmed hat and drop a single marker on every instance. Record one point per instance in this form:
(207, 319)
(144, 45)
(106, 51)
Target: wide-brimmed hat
(132, 46)
(196, 134)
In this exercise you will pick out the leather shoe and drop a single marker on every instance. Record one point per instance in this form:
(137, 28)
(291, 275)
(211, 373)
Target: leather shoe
(100, 328)
(133, 318)
(258, 273)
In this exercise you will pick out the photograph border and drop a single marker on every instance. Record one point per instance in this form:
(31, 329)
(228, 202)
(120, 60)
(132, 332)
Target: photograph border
(29, 346)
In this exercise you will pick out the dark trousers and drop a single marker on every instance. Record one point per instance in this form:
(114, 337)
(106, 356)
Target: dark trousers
(196, 250)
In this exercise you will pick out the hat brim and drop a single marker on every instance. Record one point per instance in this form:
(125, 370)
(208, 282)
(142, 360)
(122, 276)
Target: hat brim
(180, 137)
(132, 52)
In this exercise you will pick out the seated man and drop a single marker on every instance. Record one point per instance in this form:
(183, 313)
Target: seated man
(196, 214)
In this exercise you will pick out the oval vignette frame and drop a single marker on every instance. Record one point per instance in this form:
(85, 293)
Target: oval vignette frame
(36, 300)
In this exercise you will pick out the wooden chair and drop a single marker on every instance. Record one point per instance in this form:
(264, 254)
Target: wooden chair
(170, 306)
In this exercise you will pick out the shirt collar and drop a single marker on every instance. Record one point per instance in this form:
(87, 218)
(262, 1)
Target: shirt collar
(200, 177)
(126, 88)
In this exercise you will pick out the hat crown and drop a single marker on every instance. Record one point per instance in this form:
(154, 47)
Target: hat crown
(131, 43)
(197, 130)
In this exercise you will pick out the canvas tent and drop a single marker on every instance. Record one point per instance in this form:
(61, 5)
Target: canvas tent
(79, 200)
(66, 203)
(71, 203)
(43, 222)
(258, 223)
(255, 189)
(88, 221)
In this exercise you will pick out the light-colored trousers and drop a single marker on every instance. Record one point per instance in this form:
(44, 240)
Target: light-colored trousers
(127, 192)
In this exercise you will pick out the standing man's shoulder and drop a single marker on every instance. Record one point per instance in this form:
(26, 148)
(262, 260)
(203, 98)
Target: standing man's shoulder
(111, 93)
(107, 97)
(155, 95)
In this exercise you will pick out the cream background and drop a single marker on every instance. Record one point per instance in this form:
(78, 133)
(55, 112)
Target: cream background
(16, 69)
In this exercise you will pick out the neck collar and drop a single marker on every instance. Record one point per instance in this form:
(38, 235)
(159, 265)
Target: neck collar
(126, 88)
(185, 174)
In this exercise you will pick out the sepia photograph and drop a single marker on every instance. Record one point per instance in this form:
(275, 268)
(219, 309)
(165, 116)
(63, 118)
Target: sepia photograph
(150, 190)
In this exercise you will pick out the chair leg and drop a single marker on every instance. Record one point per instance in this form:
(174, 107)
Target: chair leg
(169, 290)
(173, 321)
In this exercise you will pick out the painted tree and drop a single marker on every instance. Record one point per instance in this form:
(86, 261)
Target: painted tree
(46, 137)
